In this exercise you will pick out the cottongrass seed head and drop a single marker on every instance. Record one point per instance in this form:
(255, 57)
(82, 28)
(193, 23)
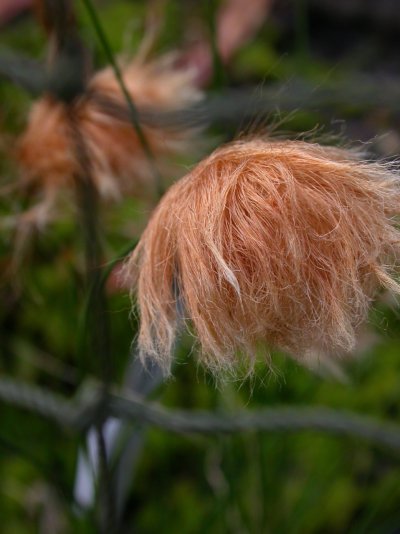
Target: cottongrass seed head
(280, 244)
(46, 151)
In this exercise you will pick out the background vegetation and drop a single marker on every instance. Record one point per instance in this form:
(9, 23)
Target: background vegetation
(247, 483)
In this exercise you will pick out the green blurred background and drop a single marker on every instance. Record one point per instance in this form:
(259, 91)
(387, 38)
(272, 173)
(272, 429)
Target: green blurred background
(249, 483)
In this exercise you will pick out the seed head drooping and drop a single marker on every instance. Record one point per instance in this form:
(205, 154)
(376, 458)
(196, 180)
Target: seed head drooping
(47, 151)
(283, 243)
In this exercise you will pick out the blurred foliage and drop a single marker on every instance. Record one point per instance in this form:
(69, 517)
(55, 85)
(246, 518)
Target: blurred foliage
(251, 483)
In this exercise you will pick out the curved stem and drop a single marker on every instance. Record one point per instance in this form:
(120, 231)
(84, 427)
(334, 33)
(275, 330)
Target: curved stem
(133, 112)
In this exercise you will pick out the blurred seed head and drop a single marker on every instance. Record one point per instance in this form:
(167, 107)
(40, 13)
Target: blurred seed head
(46, 150)
(279, 244)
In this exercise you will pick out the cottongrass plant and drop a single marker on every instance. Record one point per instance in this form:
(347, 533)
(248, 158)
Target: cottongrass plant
(278, 244)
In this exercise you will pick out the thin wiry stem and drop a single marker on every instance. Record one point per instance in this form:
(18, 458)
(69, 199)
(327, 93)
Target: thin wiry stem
(82, 411)
(133, 112)
(97, 322)
(104, 275)
(106, 497)
(219, 75)
(89, 221)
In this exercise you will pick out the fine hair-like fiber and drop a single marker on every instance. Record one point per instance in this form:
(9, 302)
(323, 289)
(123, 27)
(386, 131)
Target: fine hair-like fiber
(282, 244)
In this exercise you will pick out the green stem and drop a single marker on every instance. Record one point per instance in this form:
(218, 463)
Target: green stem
(96, 317)
(219, 73)
(106, 498)
(91, 295)
(96, 323)
(133, 112)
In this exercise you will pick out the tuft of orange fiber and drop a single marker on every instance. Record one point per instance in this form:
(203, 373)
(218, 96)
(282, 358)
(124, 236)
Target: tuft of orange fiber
(278, 244)
(47, 150)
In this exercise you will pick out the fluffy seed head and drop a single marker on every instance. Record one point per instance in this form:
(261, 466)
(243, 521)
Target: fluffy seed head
(47, 152)
(278, 243)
